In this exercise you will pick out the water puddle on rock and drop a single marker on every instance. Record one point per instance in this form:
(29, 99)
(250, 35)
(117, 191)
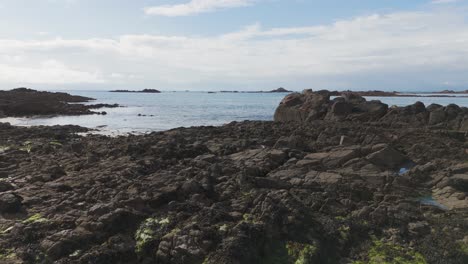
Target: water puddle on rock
(429, 200)
(406, 167)
(403, 171)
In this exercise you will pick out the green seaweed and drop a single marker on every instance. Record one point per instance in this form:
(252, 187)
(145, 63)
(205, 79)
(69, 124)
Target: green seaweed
(36, 218)
(6, 230)
(344, 232)
(75, 254)
(56, 143)
(463, 247)
(341, 218)
(248, 218)
(27, 146)
(148, 232)
(223, 228)
(301, 253)
(4, 148)
(389, 253)
(290, 252)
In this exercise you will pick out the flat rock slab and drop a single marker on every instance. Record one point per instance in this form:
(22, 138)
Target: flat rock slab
(388, 158)
(333, 158)
(451, 198)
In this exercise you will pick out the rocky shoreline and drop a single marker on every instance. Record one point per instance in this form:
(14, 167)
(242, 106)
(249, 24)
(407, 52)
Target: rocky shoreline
(330, 181)
(24, 102)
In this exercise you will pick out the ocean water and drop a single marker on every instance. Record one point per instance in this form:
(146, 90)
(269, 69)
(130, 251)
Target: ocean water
(165, 111)
(169, 110)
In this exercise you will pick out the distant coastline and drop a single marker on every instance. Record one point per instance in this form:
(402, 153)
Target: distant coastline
(452, 92)
(279, 90)
(372, 93)
(377, 93)
(142, 91)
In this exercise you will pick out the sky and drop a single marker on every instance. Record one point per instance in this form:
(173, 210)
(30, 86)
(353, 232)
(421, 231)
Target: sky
(402, 45)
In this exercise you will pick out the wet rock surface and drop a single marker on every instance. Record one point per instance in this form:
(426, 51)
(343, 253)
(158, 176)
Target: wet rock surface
(23, 102)
(250, 192)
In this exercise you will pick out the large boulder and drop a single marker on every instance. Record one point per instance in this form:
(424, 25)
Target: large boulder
(310, 106)
(10, 203)
(303, 106)
(369, 110)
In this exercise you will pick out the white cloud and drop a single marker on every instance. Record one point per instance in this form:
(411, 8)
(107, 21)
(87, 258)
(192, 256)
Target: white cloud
(63, 1)
(444, 1)
(195, 7)
(46, 72)
(409, 48)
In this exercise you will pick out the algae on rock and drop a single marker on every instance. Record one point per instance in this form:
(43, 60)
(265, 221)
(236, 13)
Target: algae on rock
(149, 231)
(36, 218)
(387, 253)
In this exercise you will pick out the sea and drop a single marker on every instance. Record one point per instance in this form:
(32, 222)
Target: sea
(143, 113)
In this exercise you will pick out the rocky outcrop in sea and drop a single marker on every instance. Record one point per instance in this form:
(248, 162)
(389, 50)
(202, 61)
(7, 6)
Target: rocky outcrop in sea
(310, 106)
(24, 102)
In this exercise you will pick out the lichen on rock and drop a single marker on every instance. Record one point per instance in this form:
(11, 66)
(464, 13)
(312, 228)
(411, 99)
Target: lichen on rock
(150, 230)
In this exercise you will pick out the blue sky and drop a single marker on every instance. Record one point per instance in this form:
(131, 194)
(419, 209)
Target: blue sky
(234, 44)
(112, 18)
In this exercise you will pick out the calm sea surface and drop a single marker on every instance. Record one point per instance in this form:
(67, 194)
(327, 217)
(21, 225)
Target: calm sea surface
(184, 109)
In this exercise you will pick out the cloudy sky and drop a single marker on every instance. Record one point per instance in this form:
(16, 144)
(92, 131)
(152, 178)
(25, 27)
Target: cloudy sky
(234, 44)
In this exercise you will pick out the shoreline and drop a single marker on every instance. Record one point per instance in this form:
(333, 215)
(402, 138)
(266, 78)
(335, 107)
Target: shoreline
(149, 115)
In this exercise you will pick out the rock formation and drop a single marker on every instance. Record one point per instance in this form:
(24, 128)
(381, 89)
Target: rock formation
(310, 106)
(23, 102)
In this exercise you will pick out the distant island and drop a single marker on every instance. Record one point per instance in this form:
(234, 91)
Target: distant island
(279, 90)
(371, 93)
(25, 102)
(142, 91)
(452, 92)
(377, 93)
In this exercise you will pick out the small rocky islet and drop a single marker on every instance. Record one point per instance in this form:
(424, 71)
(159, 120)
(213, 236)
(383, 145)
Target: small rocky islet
(25, 102)
(340, 180)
